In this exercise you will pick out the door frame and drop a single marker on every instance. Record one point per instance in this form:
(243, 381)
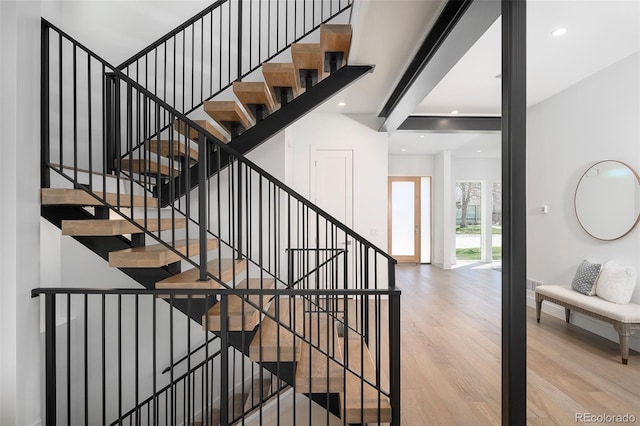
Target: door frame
(416, 214)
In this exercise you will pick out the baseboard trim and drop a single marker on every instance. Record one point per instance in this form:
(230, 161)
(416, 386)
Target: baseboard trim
(593, 325)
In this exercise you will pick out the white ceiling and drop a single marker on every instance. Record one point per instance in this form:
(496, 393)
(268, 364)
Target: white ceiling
(599, 33)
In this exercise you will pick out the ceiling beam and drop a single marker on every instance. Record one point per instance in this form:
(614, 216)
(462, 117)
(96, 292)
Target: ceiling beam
(448, 124)
(458, 27)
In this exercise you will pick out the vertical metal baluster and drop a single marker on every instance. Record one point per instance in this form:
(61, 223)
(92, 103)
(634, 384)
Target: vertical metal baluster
(188, 377)
(104, 362)
(193, 49)
(137, 358)
(154, 360)
(202, 203)
(69, 358)
(86, 359)
(240, 19)
(89, 124)
(394, 356)
(224, 359)
(172, 415)
(201, 59)
(45, 127)
(50, 359)
(75, 117)
(119, 356)
(60, 103)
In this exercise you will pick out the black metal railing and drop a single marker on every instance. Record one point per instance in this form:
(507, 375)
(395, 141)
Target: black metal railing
(241, 212)
(97, 370)
(224, 43)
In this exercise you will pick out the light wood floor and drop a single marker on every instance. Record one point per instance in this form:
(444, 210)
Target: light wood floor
(451, 356)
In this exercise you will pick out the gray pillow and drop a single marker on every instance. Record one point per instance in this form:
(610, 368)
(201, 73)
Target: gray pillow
(586, 276)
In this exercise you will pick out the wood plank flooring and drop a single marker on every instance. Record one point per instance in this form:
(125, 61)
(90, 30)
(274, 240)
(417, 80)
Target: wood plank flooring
(451, 356)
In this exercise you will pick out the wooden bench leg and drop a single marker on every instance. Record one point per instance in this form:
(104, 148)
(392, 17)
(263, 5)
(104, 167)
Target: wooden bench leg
(624, 331)
(538, 307)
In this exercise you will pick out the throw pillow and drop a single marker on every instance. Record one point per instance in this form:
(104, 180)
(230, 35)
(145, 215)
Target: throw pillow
(586, 276)
(616, 283)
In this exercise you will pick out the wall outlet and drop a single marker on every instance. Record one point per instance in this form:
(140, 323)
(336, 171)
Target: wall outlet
(532, 284)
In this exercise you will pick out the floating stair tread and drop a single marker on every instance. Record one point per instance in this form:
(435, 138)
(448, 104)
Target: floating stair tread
(317, 372)
(359, 408)
(193, 133)
(148, 167)
(80, 197)
(155, 256)
(336, 38)
(226, 111)
(308, 56)
(189, 279)
(107, 227)
(281, 75)
(254, 92)
(266, 338)
(170, 149)
(235, 304)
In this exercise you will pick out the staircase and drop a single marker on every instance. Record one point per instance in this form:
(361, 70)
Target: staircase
(173, 203)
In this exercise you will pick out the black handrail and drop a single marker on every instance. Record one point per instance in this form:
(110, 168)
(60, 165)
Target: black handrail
(191, 352)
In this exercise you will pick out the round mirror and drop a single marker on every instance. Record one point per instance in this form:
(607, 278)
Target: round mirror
(607, 200)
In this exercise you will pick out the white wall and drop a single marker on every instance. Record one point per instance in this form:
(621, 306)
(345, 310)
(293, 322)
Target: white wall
(318, 131)
(411, 165)
(594, 120)
(444, 212)
(370, 151)
(19, 212)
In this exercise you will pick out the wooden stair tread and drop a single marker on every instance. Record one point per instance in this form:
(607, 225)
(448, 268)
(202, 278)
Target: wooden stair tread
(170, 149)
(80, 197)
(256, 93)
(308, 56)
(235, 307)
(147, 167)
(358, 408)
(226, 111)
(189, 279)
(315, 371)
(106, 227)
(266, 338)
(281, 75)
(193, 133)
(336, 38)
(155, 256)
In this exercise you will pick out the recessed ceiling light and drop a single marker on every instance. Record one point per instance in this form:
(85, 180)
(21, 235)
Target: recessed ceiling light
(342, 104)
(455, 111)
(559, 32)
(421, 136)
(479, 150)
(403, 150)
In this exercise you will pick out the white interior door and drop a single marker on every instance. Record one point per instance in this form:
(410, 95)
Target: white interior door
(332, 190)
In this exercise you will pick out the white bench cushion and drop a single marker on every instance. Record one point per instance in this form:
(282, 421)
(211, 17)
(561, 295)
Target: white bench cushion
(628, 313)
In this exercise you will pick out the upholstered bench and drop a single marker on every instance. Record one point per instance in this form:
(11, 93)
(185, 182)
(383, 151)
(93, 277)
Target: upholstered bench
(625, 318)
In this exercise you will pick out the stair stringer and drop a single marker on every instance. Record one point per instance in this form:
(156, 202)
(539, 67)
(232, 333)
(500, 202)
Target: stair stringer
(270, 126)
